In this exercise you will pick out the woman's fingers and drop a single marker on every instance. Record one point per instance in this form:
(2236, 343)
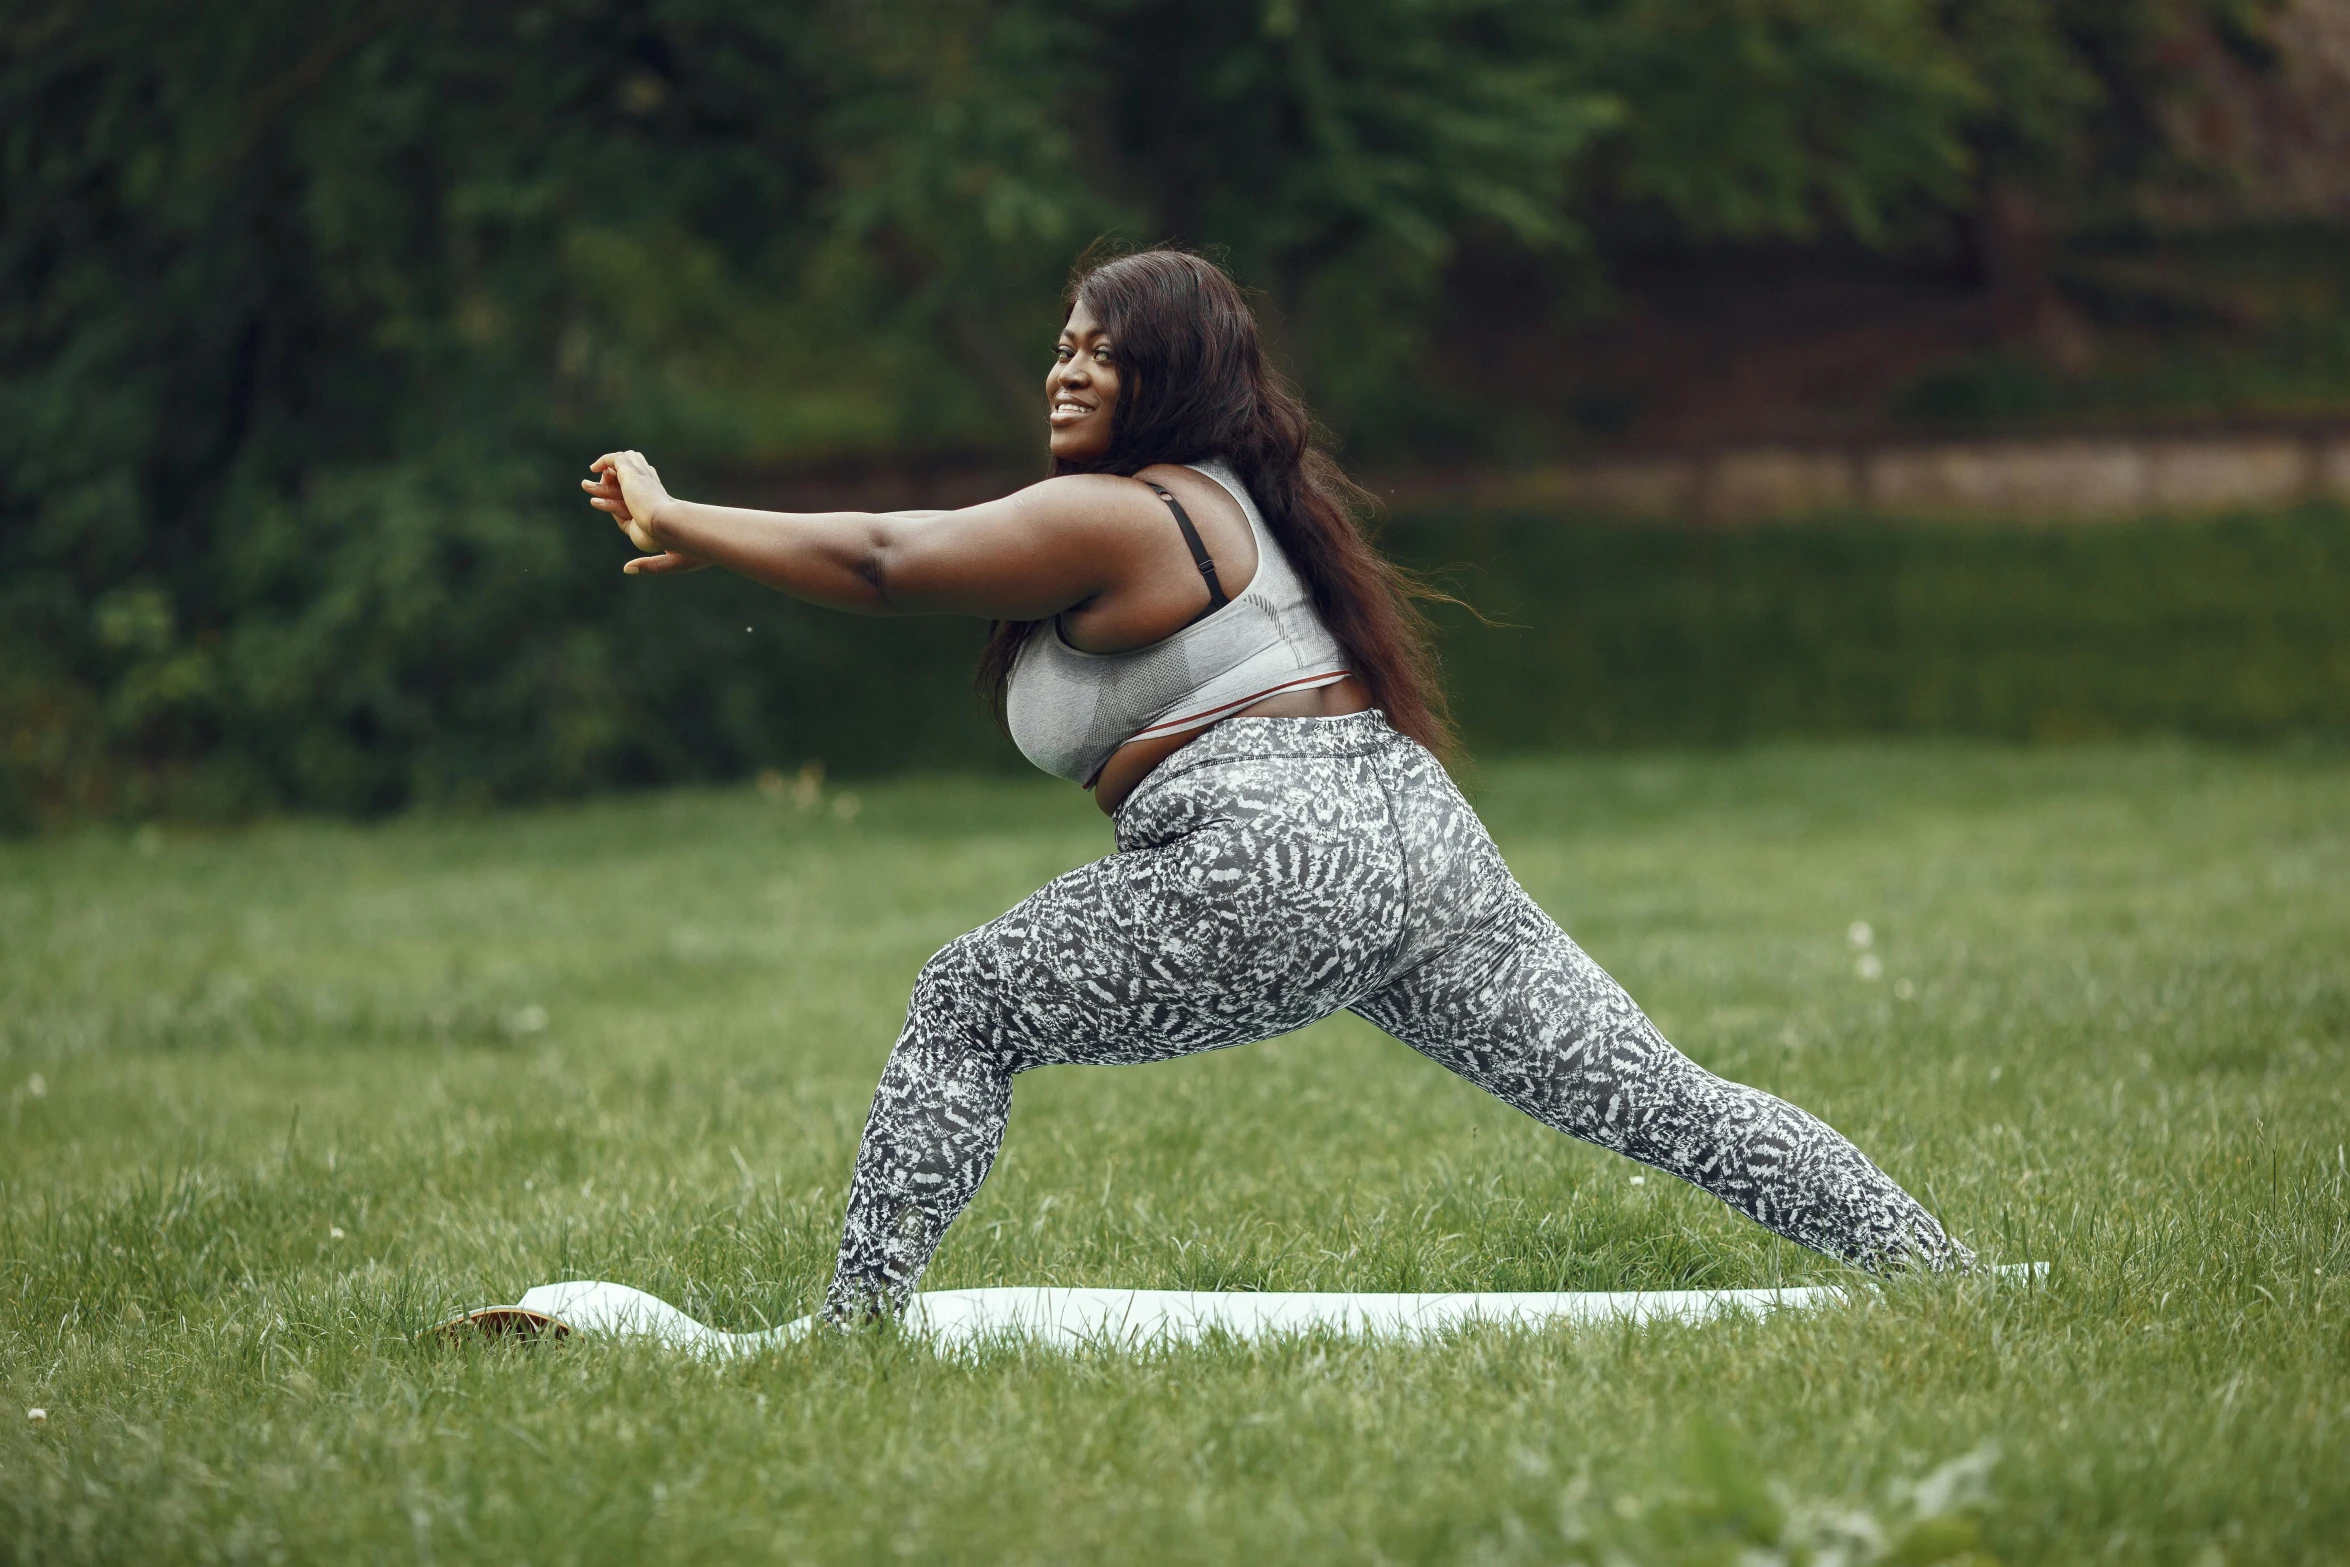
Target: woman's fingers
(608, 492)
(665, 564)
(616, 508)
(605, 496)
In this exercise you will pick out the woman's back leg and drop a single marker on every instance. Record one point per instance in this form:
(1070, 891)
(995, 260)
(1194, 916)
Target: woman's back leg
(1513, 1005)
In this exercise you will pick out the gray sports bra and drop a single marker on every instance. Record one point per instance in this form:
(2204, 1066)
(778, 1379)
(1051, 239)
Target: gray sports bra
(1070, 709)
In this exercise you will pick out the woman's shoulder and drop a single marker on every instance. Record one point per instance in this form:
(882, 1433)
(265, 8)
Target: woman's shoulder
(1079, 501)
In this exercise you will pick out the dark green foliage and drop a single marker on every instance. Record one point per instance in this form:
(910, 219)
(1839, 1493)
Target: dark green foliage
(310, 314)
(2242, 323)
(1629, 635)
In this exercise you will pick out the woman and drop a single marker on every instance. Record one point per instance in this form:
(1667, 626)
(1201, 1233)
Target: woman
(1190, 624)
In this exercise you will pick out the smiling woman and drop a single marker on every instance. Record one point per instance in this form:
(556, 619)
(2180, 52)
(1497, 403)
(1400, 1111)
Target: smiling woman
(1158, 377)
(1190, 622)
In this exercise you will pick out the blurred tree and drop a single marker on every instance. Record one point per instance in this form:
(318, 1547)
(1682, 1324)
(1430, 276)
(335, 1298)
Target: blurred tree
(1785, 119)
(1336, 154)
(299, 303)
(2071, 121)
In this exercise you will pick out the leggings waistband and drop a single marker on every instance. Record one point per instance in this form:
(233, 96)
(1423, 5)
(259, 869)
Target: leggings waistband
(1250, 739)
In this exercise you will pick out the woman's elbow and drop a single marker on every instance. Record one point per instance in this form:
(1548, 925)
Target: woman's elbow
(878, 564)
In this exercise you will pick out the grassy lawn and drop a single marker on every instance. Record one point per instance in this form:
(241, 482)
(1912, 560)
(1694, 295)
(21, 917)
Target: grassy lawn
(272, 1100)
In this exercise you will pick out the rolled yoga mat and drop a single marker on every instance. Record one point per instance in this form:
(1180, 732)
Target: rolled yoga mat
(1133, 1319)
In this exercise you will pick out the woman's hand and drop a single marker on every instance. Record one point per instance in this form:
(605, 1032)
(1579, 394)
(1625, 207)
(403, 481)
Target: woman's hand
(627, 487)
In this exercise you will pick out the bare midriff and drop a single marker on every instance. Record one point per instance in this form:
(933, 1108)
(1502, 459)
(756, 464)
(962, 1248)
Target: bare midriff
(1132, 762)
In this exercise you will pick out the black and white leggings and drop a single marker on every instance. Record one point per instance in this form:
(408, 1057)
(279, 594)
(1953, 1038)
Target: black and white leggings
(1268, 874)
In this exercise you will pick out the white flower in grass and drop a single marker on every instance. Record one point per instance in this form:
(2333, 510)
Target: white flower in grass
(1639, 1180)
(39, 1417)
(334, 1232)
(1869, 966)
(1860, 934)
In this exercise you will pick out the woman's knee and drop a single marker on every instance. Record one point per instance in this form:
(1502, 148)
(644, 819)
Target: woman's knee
(952, 998)
(951, 973)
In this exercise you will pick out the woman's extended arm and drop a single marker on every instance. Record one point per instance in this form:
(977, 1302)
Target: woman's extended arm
(1026, 557)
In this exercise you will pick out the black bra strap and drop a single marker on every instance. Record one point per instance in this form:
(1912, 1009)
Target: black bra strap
(1217, 598)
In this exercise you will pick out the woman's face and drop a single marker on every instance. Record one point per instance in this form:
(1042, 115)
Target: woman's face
(1081, 393)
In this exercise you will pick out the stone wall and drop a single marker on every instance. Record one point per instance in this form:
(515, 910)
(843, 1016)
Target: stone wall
(2058, 477)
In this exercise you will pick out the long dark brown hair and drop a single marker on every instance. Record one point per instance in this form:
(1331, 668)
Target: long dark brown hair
(1193, 384)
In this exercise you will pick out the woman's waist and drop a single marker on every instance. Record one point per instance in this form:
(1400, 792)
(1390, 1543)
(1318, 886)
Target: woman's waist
(1338, 694)
(1270, 778)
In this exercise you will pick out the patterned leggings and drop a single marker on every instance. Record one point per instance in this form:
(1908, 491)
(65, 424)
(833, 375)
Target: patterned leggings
(1268, 874)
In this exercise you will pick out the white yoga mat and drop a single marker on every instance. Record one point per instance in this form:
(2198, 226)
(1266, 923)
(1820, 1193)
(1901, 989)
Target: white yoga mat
(1132, 1319)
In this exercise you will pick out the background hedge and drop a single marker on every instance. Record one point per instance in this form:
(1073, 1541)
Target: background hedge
(1623, 635)
(545, 678)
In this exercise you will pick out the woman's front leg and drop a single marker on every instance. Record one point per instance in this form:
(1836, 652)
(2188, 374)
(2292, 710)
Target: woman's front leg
(937, 1120)
(1046, 985)
(1236, 932)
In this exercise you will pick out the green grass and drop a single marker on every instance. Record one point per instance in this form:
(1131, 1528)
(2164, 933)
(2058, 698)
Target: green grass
(634, 1041)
